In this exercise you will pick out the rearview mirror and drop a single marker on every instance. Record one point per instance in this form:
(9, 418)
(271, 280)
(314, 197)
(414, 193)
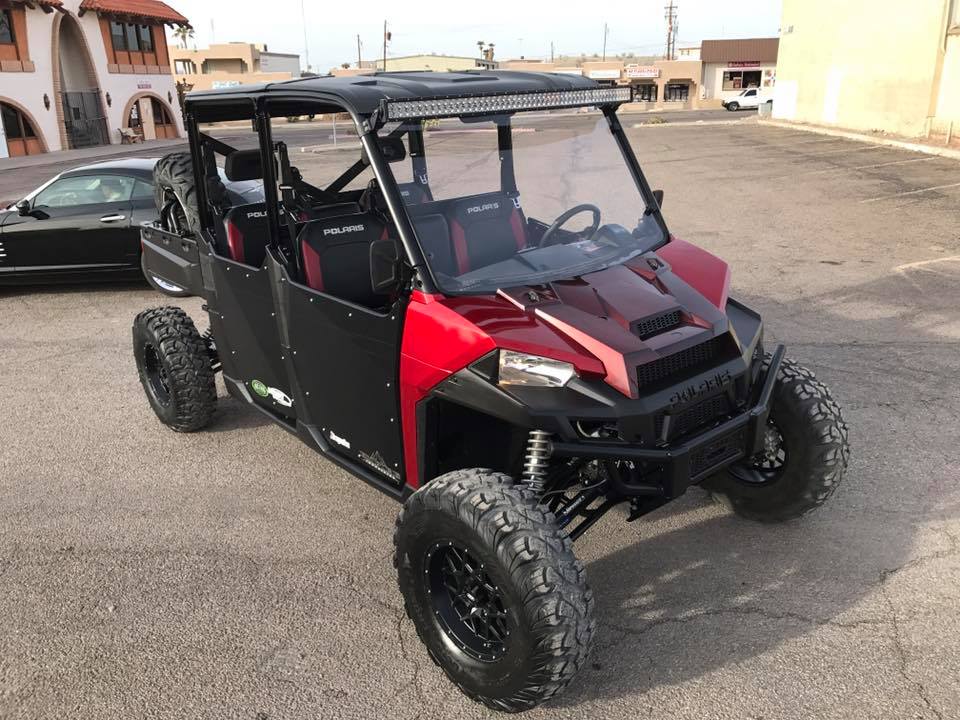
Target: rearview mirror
(384, 266)
(23, 207)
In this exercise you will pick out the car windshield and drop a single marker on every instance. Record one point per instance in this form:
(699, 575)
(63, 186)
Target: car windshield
(560, 203)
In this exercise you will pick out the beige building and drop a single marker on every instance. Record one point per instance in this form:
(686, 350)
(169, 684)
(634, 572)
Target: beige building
(232, 64)
(732, 66)
(866, 65)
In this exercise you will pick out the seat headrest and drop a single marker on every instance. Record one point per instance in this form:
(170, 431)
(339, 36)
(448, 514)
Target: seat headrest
(482, 207)
(243, 165)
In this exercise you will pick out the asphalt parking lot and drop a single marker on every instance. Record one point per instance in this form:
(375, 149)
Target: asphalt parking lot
(235, 574)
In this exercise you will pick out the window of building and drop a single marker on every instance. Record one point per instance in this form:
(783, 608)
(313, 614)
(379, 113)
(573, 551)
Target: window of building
(677, 92)
(740, 79)
(645, 93)
(954, 23)
(15, 125)
(6, 28)
(184, 67)
(128, 36)
(146, 38)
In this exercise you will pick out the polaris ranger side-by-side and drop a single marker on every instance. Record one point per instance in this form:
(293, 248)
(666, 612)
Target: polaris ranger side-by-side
(488, 321)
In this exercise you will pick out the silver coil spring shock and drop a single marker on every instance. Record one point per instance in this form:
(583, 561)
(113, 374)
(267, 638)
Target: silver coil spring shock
(537, 459)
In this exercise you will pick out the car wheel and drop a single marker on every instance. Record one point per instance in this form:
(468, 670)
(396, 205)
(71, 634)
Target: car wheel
(493, 588)
(174, 368)
(733, 107)
(162, 286)
(804, 457)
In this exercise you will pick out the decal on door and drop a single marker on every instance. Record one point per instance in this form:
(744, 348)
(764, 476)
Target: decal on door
(278, 396)
(377, 462)
(339, 440)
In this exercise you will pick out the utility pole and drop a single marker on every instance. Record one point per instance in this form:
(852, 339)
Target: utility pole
(306, 43)
(606, 31)
(386, 36)
(551, 51)
(670, 15)
(359, 60)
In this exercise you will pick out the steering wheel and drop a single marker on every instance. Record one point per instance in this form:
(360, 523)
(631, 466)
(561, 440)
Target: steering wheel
(562, 220)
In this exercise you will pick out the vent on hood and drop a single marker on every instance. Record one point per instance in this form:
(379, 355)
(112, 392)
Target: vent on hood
(648, 327)
(665, 367)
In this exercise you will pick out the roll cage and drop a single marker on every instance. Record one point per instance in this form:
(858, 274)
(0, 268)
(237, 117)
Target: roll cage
(285, 189)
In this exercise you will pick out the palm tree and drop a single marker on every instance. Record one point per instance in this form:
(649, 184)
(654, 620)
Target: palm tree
(183, 33)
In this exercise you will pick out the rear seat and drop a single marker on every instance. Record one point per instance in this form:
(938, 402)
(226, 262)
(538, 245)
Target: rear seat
(336, 256)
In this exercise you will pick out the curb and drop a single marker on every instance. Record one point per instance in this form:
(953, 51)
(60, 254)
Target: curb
(872, 139)
(695, 123)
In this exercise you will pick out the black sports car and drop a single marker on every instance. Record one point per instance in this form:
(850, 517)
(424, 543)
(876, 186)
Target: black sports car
(84, 224)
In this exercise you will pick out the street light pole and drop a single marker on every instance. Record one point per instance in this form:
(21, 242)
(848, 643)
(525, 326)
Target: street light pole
(606, 31)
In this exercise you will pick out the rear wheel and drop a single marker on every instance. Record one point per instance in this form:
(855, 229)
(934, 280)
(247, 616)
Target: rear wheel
(493, 588)
(804, 453)
(174, 368)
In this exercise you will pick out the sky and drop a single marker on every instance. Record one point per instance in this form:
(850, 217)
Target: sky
(424, 26)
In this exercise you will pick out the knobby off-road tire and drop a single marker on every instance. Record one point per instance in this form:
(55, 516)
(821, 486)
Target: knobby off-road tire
(801, 471)
(174, 368)
(174, 173)
(514, 544)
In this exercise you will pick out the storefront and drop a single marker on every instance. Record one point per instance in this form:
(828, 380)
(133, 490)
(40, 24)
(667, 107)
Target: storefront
(732, 66)
(643, 79)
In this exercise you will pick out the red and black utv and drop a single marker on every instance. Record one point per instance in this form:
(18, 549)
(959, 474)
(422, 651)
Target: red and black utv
(484, 315)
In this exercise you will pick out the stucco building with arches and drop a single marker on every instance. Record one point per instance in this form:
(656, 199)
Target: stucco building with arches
(82, 73)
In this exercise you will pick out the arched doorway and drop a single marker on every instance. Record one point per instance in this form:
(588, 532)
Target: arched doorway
(22, 136)
(75, 82)
(150, 117)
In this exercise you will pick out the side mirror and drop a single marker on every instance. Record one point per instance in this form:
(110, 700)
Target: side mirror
(384, 266)
(23, 207)
(658, 196)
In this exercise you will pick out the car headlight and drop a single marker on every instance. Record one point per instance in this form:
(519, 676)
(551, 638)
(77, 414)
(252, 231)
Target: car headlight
(517, 368)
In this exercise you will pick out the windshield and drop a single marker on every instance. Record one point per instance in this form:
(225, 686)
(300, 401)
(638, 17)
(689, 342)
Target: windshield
(559, 203)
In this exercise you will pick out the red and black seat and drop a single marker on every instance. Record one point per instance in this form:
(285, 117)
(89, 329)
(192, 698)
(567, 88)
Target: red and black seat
(485, 229)
(336, 256)
(246, 233)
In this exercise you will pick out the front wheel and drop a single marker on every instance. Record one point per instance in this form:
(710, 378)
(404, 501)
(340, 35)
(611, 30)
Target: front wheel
(804, 455)
(733, 107)
(493, 588)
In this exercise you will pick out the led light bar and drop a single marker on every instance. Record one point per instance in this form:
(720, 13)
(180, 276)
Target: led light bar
(491, 104)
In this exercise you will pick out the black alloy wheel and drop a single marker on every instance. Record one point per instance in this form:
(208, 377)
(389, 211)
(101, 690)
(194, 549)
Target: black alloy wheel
(766, 466)
(158, 381)
(467, 605)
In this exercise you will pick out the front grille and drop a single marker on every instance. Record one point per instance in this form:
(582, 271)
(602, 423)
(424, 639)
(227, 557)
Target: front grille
(693, 418)
(649, 327)
(665, 367)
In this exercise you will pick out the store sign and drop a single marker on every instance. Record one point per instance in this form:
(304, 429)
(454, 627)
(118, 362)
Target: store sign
(220, 84)
(641, 71)
(144, 85)
(604, 74)
(744, 64)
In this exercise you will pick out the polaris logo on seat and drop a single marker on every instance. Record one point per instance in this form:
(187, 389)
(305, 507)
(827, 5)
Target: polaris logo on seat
(342, 230)
(483, 208)
(256, 214)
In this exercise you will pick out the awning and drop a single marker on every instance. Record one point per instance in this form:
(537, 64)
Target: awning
(135, 9)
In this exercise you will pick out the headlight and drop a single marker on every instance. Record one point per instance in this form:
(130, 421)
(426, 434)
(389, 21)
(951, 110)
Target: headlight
(518, 368)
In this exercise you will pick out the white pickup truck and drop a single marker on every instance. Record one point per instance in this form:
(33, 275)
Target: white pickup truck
(749, 99)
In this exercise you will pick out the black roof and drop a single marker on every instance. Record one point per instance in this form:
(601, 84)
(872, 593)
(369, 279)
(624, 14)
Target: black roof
(362, 94)
(137, 167)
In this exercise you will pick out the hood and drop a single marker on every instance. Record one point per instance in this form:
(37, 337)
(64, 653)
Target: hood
(607, 323)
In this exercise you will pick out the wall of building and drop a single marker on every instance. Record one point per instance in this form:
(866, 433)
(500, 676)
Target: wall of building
(866, 65)
(26, 89)
(713, 79)
(280, 62)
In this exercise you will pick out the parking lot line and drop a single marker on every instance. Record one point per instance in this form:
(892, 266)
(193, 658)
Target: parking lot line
(854, 167)
(910, 192)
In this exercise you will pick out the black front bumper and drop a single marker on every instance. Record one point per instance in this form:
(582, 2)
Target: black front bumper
(687, 463)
